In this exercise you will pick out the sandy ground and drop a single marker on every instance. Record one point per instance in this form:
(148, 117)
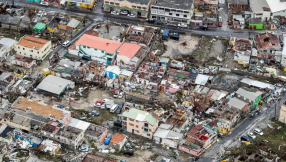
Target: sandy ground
(176, 47)
(139, 156)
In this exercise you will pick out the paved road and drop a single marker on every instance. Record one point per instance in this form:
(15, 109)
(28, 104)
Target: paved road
(245, 126)
(124, 19)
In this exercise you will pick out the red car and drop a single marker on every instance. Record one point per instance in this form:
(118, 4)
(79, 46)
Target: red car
(219, 24)
(98, 103)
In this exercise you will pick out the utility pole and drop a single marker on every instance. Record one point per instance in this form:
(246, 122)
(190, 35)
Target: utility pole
(12, 2)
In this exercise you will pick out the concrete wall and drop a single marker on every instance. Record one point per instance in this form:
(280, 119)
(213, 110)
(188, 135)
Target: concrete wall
(282, 116)
(137, 127)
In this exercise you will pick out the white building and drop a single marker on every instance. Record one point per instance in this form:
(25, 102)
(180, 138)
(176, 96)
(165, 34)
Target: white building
(165, 136)
(277, 7)
(260, 9)
(6, 45)
(173, 11)
(283, 58)
(30, 46)
(99, 49)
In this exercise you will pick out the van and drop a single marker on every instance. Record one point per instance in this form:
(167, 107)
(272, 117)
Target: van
(120, 106)
(114, 108)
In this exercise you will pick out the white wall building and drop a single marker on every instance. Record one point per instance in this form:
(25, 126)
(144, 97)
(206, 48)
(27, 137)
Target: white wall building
(30, 46)
(99, 49)
(277, 7)
(6, 45)
(173, 11)
(260, 9)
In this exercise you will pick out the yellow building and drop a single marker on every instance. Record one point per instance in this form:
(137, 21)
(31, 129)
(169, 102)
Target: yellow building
(79, 3)
(138, 8)
(282, 116)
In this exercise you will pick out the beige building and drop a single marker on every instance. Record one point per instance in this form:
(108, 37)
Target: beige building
(36, 48)
(140, 8)
(282, 116)
(140, 122)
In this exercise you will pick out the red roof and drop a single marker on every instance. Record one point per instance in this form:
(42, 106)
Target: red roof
(107, 45)
(117, 137)
(129, 50)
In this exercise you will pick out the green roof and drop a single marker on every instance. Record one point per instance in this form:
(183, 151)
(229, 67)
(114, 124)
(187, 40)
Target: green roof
(140, 116)
(40, 26)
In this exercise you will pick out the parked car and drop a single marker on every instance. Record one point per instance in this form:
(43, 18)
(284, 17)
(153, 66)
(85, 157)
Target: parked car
(44, 4)
(103, 106)
(113, 108)
(120, 106)
(258, 131)
(251, 135)
(220, 135)
(124, 13)
(131, 15)
(98, 103)
(61, 106)
(128, 152)
(245, 138)
(114, 13)
(84, 148)
(66, 44)
(94, 113)
(150, 20)
(105, 100)
(118, 123)
(205, 27)
(182, 25)
(121, 94)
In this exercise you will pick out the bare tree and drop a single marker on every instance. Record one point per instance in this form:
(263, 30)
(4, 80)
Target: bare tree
(31, 11)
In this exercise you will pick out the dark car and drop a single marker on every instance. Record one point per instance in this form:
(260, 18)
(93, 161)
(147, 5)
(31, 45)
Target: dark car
(128, 152)
(120, 106)
(220, 135)
(150, 20)
(244, 138)
(205, 27)
(118, 123)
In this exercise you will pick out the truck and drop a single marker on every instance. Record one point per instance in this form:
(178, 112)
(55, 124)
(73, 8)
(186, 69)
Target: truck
(175, 36)
(109, 104)
(165, 35)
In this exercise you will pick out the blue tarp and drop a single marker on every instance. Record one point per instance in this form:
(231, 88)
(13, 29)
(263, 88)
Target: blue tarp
(107, 140)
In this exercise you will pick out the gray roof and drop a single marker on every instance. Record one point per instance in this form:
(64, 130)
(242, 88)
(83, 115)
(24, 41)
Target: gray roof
(164, 133)
(54, 84)
(69, 63)
(177, 4)
(9, 19)
(143, 2)
(256, 83)
(73, 23)
(7, 42)
(5, 75)
(257, 5)
(248, 94)
(238, 1)
(236, 103)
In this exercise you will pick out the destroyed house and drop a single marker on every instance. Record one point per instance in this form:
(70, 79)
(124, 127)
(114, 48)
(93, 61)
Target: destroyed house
(23, 120)
(9, 22)
(140, 35)
(136, 97)
(267, 43)
(177, 120)
(26, 62)
(71, 134)
(205, 13)
(238, 6)
(241, 44)
(174, 73)
(95, 133)
(165, 136)
(251, 96)
(7, 79)
(59, 115)
(96, 158)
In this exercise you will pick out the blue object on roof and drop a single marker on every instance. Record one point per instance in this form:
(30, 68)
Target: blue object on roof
(61, 106)
(107, 140)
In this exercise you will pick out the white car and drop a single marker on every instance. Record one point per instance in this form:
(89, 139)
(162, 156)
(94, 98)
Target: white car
(121, 94)
(258, 131)
(115, 95)
(44, 4)
(131, 15)
(123, 12)
(105, 100)
(114, 13)
(66, 43)
(251, 135)
(182, 25)
(102, 106)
